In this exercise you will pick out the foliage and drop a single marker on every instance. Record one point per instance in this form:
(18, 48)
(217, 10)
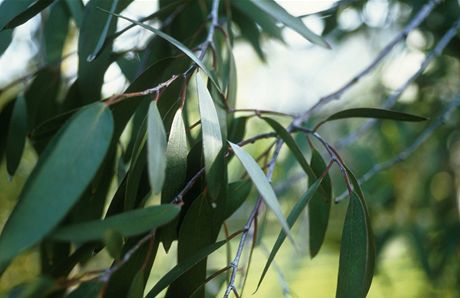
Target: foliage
(172, 143)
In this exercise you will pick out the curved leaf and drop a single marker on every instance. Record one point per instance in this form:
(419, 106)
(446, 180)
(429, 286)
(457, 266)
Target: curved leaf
(11, 9)
(184, 49)
(156, 148)
(373, 113)
(16, 135)
(262, 185)
(279, 13)
(63, 172)
(183, 267)
(211, 134)
(357, 251)
(319, 207)
(129, 223)
(292, 218)
(27, 14)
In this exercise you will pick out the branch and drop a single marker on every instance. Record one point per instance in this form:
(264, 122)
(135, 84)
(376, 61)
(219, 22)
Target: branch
(403, 155)
(421, 15)
(391, 100)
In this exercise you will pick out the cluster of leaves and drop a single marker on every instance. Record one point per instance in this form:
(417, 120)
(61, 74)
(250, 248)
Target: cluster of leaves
(183, 132)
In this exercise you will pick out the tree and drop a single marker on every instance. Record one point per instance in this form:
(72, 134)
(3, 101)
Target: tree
(174, 144)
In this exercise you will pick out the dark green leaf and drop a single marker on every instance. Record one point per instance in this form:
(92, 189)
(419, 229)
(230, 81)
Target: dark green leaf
(357, 251)
(55, 30)
(113, 241)
(6, 36)
(175, 43)
(87, 290)
(373, 113)
(292, 218)
(103, 33)
(61, 175)
(136, 290)
(319, 207)
(279, 13)
(16, 135)
(156, 148)
(129, 223)
(76, 10)
(15, 13)
(183, 267)
(262, 185)
(237, 193)
(37, 288)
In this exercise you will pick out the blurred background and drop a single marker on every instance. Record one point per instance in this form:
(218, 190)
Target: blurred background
(414, 205)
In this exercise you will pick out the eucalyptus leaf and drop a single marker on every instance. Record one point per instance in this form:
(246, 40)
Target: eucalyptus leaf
(279, 13)
(263, 186)
(128, 224)
(62, 173)
(17, 133)
(292, 218)
(156, 148)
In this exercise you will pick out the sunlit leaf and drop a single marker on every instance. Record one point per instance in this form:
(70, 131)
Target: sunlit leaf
(129, 223)
(263, 186)
(156, 148)
(16, 135)
(292, 218)
(175, 43)
(61, 175)
(279, 13)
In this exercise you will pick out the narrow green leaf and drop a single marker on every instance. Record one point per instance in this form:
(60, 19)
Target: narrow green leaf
(103, 34)
(27, 14)
(55, 31)
(279, 13)
(87, 290)
(156, 148)
(16, 135)
(113, 241)
(263, 186)
(76, 10)
(6, 36)
(357, 251)
(292, 218)
(62, 173)
(212, 137)
(319, 207)
(136, 290)
(128, 224)
(11, 9)
(180, 46)
(183, 267)
(373, 113)
(176, 155)
(290, 142)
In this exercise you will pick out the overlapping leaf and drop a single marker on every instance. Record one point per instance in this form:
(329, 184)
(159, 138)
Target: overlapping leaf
(61, 175)
(16, 135)
(156, 148)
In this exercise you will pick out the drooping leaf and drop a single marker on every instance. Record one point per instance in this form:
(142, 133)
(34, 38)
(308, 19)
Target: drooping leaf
(55, 30)
(319, 207)
(61, 175)
(103, 33)
(129, 223)
(113, 241)
(357, 251)
(175, 43)
(6, 36)
(156, 148)
(183, 267)
(136, 290)
(373, 113)
(16, 135)
(211, 134)
(279, 13)
(292, 218)
(262, 185)
(176, 155)
(76, 10)
(15, 13)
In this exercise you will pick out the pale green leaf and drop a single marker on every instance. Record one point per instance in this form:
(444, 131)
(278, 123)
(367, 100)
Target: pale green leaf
(156, 148)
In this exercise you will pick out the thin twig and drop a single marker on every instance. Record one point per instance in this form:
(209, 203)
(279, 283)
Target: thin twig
(403, 155)
(391, 100)
(416, 21)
